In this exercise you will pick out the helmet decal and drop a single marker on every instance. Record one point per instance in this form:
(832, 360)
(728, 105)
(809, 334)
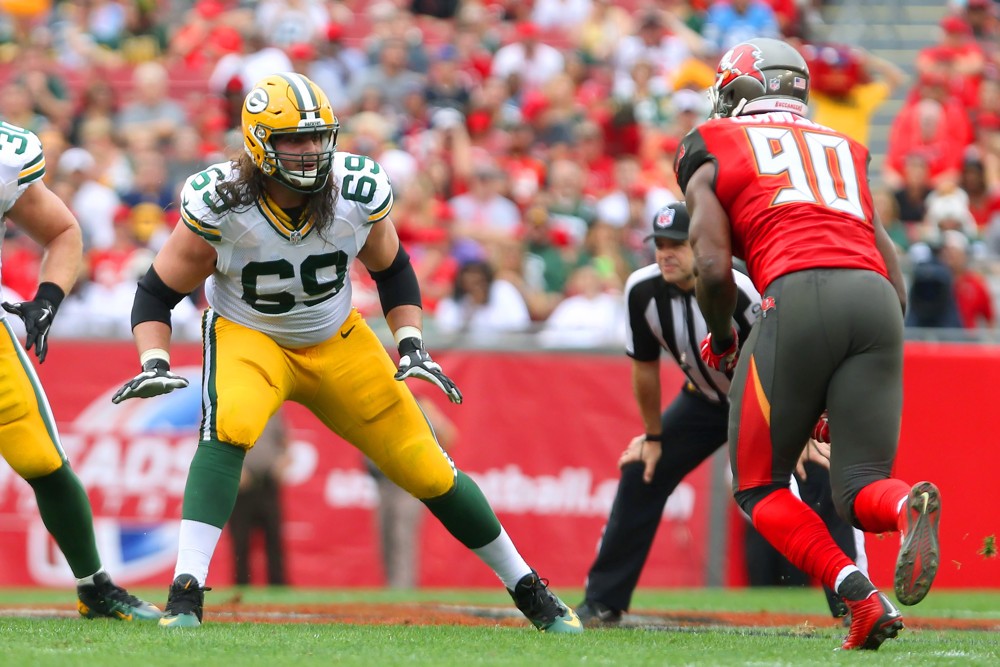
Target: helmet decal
(741, 60)
(257, 100)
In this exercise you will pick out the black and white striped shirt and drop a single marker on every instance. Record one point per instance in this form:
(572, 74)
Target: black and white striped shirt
(661, 316)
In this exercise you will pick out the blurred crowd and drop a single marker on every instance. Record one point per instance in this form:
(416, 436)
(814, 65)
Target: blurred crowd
(529, 143)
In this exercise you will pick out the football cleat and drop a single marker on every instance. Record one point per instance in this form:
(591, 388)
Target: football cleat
(597, 615)
(919, 555)
(103, 599)
(184, 603)
(873, 620)
(540, 605)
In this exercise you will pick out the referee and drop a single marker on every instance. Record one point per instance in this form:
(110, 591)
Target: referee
(662, 314)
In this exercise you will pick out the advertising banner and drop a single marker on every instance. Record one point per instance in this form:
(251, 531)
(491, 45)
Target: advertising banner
(541, 433)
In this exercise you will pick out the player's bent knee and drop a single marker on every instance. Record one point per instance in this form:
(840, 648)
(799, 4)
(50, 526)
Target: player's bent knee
(843, 502)
(33, 465)
(423, 471)
(28, 449)
(845, 490)
(240, 430)
(747, 499)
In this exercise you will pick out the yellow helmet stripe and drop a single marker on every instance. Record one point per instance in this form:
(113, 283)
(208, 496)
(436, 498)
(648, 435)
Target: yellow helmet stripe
(305, 100)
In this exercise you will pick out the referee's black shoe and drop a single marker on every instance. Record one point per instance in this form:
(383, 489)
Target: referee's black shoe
(598, 615)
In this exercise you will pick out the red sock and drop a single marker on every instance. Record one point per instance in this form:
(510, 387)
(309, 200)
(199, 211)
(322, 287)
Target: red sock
(800, 535)
(877, 505)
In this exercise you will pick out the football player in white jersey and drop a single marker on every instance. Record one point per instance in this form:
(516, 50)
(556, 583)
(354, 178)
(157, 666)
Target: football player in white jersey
(273, 233)
(29, 441)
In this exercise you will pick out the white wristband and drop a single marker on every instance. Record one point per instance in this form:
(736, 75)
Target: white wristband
(407, 332)
(155, 353)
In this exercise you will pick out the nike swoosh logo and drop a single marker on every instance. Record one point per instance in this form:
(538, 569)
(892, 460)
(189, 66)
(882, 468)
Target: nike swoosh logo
(926, 498)
(345, 334)
(574, 622)
(169, 620)
(124, 617)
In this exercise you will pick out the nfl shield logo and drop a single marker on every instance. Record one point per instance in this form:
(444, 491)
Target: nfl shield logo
(774, 84)
(665, 218)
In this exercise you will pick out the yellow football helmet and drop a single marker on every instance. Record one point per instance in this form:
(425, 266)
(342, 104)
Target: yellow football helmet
(290, 103)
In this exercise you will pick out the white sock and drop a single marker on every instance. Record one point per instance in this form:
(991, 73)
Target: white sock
(846, 572)
(88, 581)
(195, 547)
(861, 560)
(503, 559)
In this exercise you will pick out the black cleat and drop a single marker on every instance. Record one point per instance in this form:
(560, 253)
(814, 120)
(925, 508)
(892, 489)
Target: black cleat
(920, 553)
(184, 603)
(103, 599)
(545, 611)
(598, 615)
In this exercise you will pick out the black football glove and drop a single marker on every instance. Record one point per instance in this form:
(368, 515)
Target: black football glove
(155, 379)
(414, 361)
(37, 315)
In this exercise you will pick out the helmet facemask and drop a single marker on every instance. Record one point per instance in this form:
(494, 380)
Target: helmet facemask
(302, 172)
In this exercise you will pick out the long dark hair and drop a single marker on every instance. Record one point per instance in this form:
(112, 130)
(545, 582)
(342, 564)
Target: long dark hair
(243, 192)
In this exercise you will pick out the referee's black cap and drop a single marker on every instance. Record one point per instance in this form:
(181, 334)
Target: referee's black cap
(671, 222)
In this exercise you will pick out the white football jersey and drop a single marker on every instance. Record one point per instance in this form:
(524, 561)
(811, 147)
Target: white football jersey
(290, 283)
(22, 162)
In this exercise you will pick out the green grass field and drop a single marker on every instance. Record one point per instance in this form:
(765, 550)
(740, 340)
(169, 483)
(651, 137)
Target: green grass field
(50, 635)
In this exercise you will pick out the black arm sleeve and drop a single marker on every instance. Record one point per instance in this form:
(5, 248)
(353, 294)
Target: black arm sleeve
(397, 285)
(154, 300)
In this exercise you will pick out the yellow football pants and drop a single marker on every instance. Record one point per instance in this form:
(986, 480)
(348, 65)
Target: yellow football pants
(346, 381)
(28, 438)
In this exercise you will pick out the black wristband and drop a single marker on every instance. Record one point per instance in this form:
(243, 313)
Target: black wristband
(52, 293)
(410, 344)
(156, 364)
(649, 437)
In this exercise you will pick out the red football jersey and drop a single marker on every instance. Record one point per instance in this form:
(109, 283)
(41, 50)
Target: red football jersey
(796, 193)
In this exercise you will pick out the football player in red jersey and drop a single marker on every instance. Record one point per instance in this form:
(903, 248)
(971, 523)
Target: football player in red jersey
(791, 198)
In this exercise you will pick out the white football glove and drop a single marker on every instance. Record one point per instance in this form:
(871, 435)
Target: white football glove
(154, 380)
(414, 361)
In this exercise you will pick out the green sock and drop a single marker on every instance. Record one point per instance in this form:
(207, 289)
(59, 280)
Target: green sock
(466, 513)
(213, 482)
(65, 509)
